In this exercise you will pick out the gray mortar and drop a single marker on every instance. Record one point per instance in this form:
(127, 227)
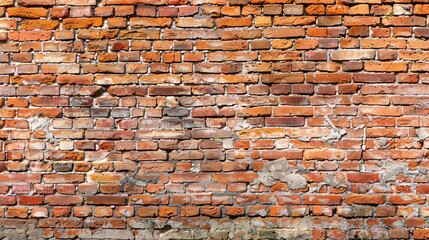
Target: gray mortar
(422, 134)
(280, 170)
(335, 134)
(391, 170)
(332, 180)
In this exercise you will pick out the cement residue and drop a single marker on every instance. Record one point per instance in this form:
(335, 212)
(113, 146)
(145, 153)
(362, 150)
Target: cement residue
(335, 180)
(335, 134)
(239, 228)
(422, 134)
(43, 124)
(196, 167)
(280, 170)
(139, 180)
(384, 142)
(242, 125)
(304, 138)
(391, 170)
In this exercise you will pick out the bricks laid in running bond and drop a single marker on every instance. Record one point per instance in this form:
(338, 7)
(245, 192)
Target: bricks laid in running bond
(214, 119)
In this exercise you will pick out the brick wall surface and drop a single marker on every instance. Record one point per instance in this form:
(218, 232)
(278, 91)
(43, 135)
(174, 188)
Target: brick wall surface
(214, 119)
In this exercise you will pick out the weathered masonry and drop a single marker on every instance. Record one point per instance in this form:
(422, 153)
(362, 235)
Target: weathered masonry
(214, 119)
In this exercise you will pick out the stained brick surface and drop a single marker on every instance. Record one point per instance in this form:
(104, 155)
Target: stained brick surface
(214, 119)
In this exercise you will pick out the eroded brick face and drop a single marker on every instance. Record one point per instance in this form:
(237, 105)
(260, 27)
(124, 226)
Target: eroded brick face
(214, 119)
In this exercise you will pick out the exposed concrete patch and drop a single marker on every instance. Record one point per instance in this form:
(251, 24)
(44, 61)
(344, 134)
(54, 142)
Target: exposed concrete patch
(170, 102)
(304, 139)
(364, 140)
(240, 228)
(401, 9)
(220, 229)
(39, 123)
(228, 143)
(285, 234)
(335, 180)
(196, 167)
(280, 170)
(422, 134)
(335, 135)
(242, 125)
(184, 234)
(22, 231)
(391, 170)
(43, 124)
(13, 234)
(113, 234)
(384, 142)
(139, 180)
(363, 145)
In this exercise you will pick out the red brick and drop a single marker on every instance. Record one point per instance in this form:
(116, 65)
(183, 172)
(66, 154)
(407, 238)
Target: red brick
(7, 200)
(36, 2)
(105, 200)
(27, 12)
(63, 200)
(363, 177)
(76, 23)
(365, 199)
(406, 199)
(166, 91)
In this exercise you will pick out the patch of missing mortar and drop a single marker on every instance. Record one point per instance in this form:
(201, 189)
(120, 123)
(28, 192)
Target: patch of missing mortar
(165, 228)
(335, 134)
(280, 170)
(422, 134)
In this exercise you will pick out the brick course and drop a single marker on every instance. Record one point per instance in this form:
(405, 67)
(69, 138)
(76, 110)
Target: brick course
(214, 119)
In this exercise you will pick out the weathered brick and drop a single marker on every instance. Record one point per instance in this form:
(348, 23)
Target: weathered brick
(77, 23)
(342, 55)
(169, 90)
(27, 12)
(36, 2)
(63, 200)
(194, 23)
(150, 22)
(105, 200)
(54, 57)
(39, 24)
(115, 79)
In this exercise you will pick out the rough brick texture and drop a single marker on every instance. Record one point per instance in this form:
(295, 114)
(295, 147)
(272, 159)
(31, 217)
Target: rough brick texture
(214, 119)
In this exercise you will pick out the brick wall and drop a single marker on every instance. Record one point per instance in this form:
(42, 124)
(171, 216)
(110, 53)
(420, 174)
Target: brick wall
(221, 119)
